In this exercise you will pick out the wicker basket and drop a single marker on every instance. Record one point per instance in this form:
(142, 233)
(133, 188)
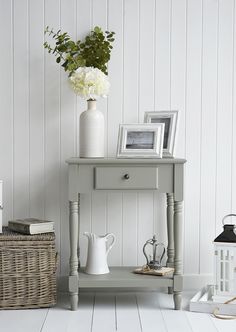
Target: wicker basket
(27, 270)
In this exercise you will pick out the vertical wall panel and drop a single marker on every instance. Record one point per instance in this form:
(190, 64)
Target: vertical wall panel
(21, 109)
(130, 104)
(163, 54)
(162, 92)
(224, 111)
(99, 13)
(193, 134)
(83, 26)
(115, 73)
(99, 213)
(99, 207)
(6, 108)
(146, 58)
(52, 124)
(114, 118)
(145, 223)
(83, 20)
(67, 128)
(131, 61)
(178, 70)
(36, 108)
(208, 137)
(130, 234)
(114, 217)
(99, 18)
(146, 103)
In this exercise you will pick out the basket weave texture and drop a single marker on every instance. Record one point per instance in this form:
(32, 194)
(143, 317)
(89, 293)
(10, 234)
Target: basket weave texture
(27, 270)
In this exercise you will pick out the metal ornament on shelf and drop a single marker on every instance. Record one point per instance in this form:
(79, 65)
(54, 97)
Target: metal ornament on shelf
(155, 260)
(225, 263)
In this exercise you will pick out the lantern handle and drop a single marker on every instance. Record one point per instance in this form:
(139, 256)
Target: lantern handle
(228, 215)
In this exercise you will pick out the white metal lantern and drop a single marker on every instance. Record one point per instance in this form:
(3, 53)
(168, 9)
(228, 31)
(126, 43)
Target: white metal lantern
(225, 263)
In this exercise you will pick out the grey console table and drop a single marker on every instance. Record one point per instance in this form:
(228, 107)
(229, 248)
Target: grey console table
(162, 175)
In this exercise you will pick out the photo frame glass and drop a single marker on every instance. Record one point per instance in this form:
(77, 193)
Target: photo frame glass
(169, 118)
(140, 140)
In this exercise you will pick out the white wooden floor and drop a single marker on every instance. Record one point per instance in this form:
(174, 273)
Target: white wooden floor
(108, 312)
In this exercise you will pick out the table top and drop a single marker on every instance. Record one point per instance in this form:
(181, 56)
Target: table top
(91, 161)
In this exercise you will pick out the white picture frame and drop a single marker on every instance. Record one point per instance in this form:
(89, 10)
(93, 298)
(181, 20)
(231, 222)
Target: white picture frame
(170, 118)
(140, 140)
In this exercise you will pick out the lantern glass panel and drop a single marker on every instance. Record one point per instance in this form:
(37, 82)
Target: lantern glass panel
(225, 271)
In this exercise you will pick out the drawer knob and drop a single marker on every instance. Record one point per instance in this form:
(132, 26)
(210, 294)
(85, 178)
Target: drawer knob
(126, 176)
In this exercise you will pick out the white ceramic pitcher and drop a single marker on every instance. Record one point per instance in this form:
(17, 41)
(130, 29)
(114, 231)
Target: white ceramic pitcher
(98, 249)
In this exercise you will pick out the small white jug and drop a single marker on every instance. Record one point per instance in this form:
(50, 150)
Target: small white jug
(98, 250)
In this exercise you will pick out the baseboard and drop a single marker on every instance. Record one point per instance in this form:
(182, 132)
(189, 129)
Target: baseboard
(190, 281)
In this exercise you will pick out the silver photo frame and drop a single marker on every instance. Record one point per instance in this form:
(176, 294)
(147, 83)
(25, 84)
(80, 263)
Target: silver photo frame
(170, 119)
(140, 140)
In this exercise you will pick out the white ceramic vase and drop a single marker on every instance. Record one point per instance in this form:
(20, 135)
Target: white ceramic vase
(91, 132)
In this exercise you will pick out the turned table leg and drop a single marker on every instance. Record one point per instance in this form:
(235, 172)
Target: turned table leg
(178, 279)
(74, 233)
(170, 233)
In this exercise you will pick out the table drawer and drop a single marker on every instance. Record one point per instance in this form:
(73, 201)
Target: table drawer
(126, 177)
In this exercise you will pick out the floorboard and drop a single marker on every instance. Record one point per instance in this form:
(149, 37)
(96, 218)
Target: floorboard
(127, 313)
(109, 312)
(22, 320)
(176, 321)
(81, 320)
(150, 313)
(62, 319)
(104, 313)
(200, 322)
(58, 318)
(223, 325)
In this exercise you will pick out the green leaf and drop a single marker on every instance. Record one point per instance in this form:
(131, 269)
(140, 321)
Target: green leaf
(97, 29)
(65, 64)
(61, 48)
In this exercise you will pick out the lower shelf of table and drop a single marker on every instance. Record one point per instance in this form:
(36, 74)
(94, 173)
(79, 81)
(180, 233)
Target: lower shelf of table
(123, 277)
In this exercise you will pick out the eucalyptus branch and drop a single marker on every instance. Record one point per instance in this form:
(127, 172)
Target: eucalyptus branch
(94, 51)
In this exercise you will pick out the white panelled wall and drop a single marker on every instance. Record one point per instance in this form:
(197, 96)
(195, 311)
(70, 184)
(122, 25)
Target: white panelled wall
(168, 54)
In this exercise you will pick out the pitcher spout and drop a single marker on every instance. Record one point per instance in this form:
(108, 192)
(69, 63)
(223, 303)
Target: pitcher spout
(92, 238)
(89, 235)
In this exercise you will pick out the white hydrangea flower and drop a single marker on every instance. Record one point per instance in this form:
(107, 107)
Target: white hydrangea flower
(89, 83)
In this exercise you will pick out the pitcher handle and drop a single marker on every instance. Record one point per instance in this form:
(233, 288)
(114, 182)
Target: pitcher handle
(112, 242)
